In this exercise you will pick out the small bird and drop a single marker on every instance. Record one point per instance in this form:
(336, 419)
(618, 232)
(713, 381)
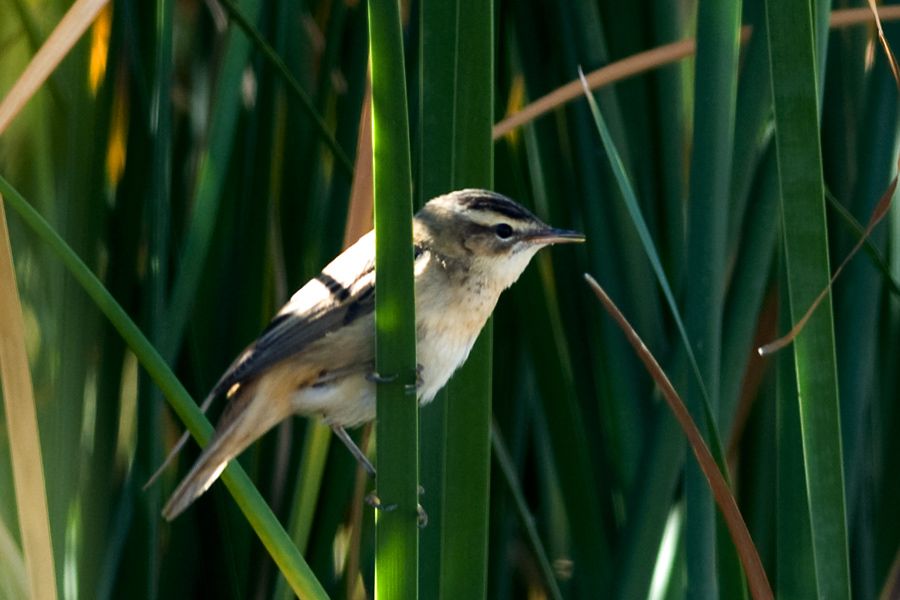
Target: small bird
(317, 356)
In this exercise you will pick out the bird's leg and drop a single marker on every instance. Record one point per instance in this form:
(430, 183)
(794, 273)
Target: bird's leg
(358, 454)
(371, 498)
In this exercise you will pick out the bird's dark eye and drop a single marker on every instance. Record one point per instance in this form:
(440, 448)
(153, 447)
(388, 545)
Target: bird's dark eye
(503, 230)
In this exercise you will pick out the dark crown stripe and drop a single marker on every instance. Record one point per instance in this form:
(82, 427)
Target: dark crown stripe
(488, 201)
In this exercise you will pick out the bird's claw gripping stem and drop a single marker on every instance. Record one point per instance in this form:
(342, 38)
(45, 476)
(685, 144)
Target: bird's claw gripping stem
(375, 502)
(375, 377)
(419, 379)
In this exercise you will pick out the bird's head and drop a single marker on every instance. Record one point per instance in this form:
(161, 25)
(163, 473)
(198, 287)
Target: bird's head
(488, 233)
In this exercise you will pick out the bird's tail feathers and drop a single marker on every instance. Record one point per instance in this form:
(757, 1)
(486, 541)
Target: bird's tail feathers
(250, 414)
(176, 449)
(202, 475)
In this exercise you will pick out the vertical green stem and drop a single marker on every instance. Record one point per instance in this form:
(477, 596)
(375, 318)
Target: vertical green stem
(467, 451)
(718, 30)
(794, 578)
(157, 207)
(457, 74)
(437, 96)
(396, 534)
(795, 91)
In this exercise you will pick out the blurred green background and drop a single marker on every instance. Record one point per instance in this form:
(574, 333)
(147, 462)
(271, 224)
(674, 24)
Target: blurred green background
(184, 169)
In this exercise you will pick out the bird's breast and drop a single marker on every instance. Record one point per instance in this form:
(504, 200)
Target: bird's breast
(449, 317)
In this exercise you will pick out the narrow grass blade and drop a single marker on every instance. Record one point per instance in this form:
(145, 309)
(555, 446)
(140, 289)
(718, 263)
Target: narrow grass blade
(210, 181)
(648, 60)
(752, 212)
(312, 464)
(158, 205)
(281, 68)
(641, 226)
(35, 34)
(747, 290)
(756, 575)
(13, 576)
(22, 429)
(715, 91)
(257, 512)
(507, 468)
(875, 255)
(662, 467)
(650, 249)
(567, 438)
(881, 210)
(397, 534)
(753, 124)
(672, 22)
(601, 77)
(795, 91)
(67, 32)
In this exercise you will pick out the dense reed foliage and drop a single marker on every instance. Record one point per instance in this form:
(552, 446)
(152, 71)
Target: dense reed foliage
(204, 159)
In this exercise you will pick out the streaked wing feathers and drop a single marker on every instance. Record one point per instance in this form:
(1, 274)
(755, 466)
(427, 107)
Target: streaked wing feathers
(339, 295)
(289, 334)
(343, 292)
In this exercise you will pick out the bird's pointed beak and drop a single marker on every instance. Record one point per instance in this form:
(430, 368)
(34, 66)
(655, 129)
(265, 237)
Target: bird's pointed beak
(555, 236)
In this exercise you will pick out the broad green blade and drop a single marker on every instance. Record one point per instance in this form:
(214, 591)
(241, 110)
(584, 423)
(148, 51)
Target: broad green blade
(467, 451)
(456, 151)
(710, 571)
(796, 577)
(437, 97)
(795, 91)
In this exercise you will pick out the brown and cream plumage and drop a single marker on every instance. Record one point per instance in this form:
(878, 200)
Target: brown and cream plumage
(316, 358)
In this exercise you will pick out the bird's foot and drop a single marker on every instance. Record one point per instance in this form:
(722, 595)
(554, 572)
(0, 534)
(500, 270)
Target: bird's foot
(375, 377)
(413, 387)
(375, 502)
(421, 515)
(379, 378)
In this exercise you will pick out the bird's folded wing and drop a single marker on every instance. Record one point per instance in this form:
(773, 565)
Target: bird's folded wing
(321, 306)
(342, 293)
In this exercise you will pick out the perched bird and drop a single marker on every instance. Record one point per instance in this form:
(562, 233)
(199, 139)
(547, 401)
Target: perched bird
(317, 357)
